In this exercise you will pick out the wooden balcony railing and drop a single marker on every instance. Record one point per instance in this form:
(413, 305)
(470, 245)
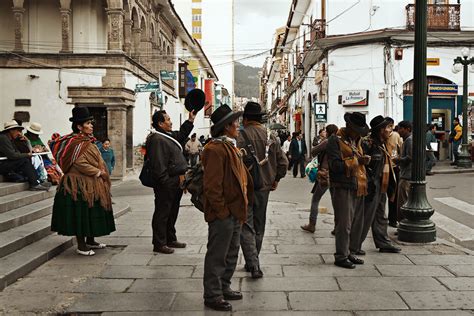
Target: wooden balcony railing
(441, 17)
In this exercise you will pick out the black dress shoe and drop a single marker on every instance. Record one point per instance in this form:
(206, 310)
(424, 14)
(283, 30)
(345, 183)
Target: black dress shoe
(231, 295)
(360, 252)
(355, 260)
(177, 244)
(390, 249)
(247, 268)
(345, 264)
(219, 305)
(163, 249)
(333, 232)
(393, 224)
(256, 272)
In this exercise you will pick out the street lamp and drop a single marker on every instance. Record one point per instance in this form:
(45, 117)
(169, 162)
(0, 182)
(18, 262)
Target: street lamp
(417, 226)
(463, 63)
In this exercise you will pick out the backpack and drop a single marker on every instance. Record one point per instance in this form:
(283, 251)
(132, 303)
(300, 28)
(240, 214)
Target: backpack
(311, 170)
(252, 164)
(146, 175)
(193, 183)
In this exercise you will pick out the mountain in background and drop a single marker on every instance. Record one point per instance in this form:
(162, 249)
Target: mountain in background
(246, 81)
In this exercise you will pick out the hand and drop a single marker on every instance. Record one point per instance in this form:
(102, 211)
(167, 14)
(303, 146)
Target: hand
(274, 186)
(192, 116)
(396, 159)
(103, 174)
(30, 154)
(364, 160)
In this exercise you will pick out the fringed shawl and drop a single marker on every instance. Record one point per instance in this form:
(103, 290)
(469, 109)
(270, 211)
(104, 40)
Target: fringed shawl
(68, 148)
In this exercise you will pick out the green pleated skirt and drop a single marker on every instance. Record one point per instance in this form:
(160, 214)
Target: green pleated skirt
(76, 218)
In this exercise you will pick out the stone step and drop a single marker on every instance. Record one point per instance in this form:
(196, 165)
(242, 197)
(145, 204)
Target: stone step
(25, 214)
(22, 262)
(7, 188)
(19, 263)
(20, 199)
(19, 237)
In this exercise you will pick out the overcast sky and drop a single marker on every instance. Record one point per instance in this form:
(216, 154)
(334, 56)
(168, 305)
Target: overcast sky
(256, 21)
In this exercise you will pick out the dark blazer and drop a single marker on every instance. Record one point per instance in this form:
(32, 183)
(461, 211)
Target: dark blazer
(295, 151)
(8, 149)
(166, 156)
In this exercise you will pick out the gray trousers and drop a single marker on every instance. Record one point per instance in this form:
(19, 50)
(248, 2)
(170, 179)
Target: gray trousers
(374, 217)
(318, 193)
(221, 256)
(248, 240)
(349, 211)
(260, 216)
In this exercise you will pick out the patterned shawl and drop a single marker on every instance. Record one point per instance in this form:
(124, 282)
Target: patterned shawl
(68, 148)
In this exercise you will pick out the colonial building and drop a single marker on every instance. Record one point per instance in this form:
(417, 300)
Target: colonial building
(344, 58)
(57, 54)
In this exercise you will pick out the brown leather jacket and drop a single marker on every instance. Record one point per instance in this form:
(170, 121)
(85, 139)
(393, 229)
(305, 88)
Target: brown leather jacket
(227, 184)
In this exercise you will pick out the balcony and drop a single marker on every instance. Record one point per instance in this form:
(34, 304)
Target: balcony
(441, 17)
(318, 30)
(276, 103)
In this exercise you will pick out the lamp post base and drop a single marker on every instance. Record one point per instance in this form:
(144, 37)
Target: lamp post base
(416, 232)
(464, 158)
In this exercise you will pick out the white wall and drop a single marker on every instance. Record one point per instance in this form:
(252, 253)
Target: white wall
(42, 27)
(7, 29)
(49, 102)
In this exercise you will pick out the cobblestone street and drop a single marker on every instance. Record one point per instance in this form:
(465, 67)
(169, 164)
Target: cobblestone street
(300, 277)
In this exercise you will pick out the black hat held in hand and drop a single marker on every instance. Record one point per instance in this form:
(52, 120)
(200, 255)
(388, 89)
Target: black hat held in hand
(195, 100)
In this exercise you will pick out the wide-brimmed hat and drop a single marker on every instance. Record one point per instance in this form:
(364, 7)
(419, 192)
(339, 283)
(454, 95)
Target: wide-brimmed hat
(356, 121)
(80, 115)
(221, 117)
(195, 100)
(253, 109)
(35, 128)
(379, 122)
(11, 125)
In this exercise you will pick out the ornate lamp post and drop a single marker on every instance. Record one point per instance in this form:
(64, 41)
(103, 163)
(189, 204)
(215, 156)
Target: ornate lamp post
(462, 63)
(417, 226)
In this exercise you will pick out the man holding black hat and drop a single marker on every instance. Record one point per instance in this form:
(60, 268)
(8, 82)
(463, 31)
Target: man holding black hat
(381, 182)
(16, 161)
(228, 190)
(273, 165)
(348, 186)
(168, 165)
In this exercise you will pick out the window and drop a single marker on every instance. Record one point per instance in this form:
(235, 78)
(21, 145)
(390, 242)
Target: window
(22, 102)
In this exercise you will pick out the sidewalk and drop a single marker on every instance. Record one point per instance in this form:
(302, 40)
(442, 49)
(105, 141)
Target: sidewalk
(444, 167)
(300, 278)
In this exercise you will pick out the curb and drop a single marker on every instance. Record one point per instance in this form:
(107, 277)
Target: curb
(453, 171)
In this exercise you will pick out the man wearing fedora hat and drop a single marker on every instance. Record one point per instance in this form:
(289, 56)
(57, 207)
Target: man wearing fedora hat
(168, 165)
(273, 166)
(227, 192)
(381, 182)
(16, 161)
(348, 186)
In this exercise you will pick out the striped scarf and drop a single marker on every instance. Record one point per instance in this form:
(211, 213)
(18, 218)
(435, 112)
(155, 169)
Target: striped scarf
(67, 149)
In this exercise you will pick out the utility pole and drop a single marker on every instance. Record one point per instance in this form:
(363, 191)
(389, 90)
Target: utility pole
(417, 226)
(233, 54)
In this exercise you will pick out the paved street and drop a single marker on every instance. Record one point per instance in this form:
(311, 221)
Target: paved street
(300, 278)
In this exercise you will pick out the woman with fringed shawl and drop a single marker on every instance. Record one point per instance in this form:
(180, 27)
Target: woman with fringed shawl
(82, 205)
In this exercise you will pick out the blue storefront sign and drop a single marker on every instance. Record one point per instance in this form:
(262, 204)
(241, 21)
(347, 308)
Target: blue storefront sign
(442, 89)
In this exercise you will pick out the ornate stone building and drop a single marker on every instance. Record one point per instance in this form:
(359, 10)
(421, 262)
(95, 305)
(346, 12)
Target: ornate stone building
(57, 54)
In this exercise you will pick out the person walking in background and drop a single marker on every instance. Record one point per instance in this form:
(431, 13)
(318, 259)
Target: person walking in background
(273, 166)
(322, 181)
(298, 153)
(456, 138)
(381, 183)
(430, 157)
(286, 147)
(193, 148)
(348, 182)
(228, 190)
(404, 161)
(82, 204)
(108, 155)
(394, 147)
(164, 149)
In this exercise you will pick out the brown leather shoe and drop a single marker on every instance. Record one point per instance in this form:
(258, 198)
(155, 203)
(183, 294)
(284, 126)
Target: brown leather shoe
(163, 249)
(177, 244)
(310, 227)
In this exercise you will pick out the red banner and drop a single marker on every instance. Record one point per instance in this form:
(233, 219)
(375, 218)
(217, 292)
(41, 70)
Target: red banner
(209, 92)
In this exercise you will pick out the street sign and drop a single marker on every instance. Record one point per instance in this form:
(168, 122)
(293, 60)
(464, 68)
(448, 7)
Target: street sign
(320, 112)
(148, 87)
(167, 75)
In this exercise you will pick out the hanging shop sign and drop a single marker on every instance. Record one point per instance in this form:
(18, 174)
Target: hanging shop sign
(442, 89)
(355, 98)
(432, 61)
(320, 112)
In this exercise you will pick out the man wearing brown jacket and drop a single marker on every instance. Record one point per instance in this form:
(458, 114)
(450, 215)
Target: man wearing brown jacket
(273, 166)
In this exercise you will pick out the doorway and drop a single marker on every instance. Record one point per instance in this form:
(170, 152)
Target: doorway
(100, 122)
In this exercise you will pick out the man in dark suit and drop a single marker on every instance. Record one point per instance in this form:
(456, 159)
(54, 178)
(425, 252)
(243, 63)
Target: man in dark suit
(297, 154)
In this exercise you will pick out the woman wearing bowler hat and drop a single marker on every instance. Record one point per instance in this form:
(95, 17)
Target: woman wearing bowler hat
(228, 189)
(82, 205)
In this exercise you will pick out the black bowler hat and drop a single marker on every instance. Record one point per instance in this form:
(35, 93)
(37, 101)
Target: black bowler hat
(253, 109)
(80, 115)
(195, 100)
(356, 121)
(379, 122)
(221, 117)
